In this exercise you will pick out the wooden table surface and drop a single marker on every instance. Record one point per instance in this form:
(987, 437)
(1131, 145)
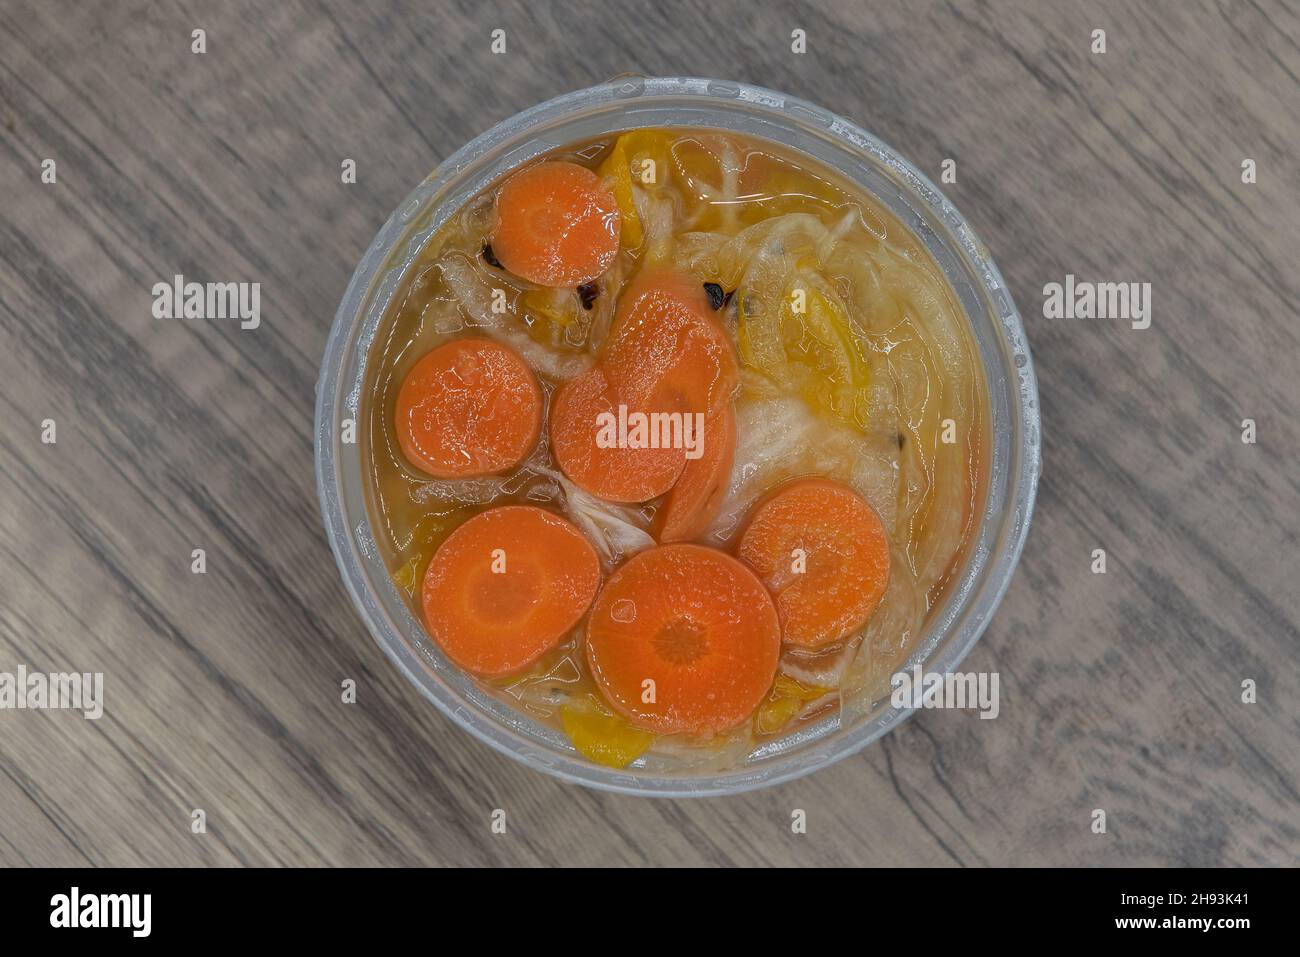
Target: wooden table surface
(1120, 691)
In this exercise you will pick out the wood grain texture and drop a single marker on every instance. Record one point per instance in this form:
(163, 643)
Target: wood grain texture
(1119, 691)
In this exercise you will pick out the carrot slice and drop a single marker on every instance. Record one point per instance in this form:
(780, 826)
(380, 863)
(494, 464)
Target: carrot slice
(683, 639)
(666, 352)
(471, 407)
(506, 586)
(823, 552)
(557, 224)
(693, 503)
(617, 474)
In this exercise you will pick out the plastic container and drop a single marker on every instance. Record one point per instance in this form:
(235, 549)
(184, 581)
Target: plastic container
(625, 103)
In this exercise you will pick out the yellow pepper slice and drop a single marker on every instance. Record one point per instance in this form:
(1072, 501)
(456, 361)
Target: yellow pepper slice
(642, 145)
(559, 306)
(616, 167)
(806, 342)
(626, 165)
(836, 374)
(408, 576)
(549, 314)
(786, 699)
(600, 735)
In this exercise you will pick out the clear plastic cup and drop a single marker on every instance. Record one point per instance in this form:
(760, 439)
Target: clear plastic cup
(624, 103)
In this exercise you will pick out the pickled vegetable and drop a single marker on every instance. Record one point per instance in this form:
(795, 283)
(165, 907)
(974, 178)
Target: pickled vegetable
(600, 735)
(807, 344)
(787, 699)
(704, 272)
(617, 169)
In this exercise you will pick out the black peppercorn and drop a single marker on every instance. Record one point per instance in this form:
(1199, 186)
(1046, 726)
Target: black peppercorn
(717, 298)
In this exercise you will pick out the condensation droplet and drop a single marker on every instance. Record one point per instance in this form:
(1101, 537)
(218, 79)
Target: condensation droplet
(624, 611)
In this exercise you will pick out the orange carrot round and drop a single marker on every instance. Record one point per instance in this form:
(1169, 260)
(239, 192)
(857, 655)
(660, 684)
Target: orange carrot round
(471, 407)
(557, 224)
(683, 639)
(693, 502)
(616, 473)
(506, 586)
(666, 352)
(823, 552)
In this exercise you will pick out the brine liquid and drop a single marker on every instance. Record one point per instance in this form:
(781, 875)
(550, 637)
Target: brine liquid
(858, 365)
